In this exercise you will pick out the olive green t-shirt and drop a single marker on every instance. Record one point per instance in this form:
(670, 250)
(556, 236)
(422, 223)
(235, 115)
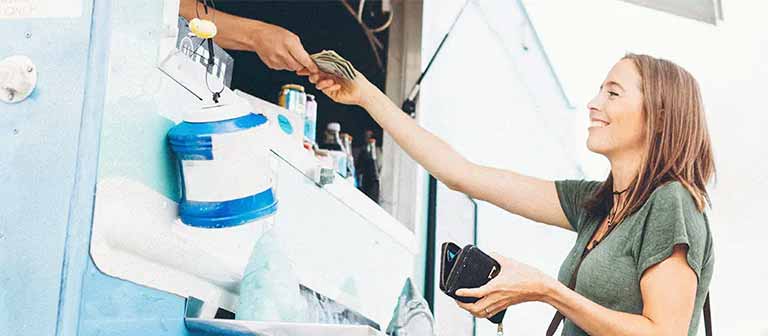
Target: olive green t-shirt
(610, 274)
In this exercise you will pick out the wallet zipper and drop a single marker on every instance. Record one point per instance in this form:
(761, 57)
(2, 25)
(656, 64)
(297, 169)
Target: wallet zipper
(457, 273)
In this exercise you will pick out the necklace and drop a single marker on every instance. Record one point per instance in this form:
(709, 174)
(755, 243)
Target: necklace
(620, 192)
(615, 209)
(611, 217)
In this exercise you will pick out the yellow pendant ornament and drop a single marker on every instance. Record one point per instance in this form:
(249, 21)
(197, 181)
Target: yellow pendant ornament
(203, 29)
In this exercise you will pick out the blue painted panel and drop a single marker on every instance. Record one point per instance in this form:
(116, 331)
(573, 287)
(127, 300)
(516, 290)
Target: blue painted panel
(89, 302)
(38, 150)
(119, 308)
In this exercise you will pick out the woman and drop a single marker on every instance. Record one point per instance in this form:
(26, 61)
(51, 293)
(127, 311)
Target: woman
(651, 275)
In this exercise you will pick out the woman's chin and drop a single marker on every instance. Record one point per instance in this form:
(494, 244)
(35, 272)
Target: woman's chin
(596, 148)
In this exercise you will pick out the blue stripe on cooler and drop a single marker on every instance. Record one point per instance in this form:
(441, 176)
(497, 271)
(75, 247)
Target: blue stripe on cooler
(194, 129)
(228, 213)
(192, 140)
(201, 149)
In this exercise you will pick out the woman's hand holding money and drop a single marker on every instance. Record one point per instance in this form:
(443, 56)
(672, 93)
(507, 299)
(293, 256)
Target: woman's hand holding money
(345, 91)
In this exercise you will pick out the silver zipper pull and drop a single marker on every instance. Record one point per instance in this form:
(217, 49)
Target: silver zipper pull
(500, 329)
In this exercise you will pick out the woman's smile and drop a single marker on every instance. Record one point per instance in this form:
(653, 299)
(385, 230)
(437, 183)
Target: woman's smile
(597, 123)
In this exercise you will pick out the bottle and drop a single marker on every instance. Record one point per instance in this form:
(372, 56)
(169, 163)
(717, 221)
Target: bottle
(294, 99)
(346, 140)
(332, 143)
(310, 119)
(331, 137)
(369, 172)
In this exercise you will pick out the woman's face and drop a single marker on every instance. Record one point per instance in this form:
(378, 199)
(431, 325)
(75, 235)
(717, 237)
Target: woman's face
(617, 126)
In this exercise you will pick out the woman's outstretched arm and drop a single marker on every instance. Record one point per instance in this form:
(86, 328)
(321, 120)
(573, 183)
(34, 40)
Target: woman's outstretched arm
(526, 196)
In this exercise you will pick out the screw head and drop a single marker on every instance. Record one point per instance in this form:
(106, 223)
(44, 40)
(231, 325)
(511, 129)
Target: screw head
(30, 68)
(28, 35)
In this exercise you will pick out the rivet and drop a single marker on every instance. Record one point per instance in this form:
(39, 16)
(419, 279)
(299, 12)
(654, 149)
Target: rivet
(28, 35)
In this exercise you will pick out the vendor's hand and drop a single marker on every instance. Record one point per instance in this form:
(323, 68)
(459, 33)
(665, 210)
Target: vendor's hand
(350, 92)
(516, 283)
(280, 49)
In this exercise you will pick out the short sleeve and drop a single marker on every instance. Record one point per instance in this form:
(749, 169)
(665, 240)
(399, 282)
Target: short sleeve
(673, 219)
(572, 194)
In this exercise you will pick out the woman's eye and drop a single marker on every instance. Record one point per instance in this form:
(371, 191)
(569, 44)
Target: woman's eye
(613, 94)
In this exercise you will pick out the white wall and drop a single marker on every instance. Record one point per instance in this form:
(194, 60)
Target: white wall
(497, 106)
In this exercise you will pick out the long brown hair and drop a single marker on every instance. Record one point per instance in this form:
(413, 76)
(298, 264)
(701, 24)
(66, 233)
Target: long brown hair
(678, 144)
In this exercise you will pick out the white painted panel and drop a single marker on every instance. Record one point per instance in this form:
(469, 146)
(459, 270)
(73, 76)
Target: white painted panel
(25, 9)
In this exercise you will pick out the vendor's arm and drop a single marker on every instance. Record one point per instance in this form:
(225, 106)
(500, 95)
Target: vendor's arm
(277, 47)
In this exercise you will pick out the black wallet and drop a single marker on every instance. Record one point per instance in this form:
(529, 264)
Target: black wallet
(467, 267)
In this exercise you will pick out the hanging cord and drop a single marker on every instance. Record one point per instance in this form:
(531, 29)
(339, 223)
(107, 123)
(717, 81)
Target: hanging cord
(365, 26)
(211, 62)
(376, 45)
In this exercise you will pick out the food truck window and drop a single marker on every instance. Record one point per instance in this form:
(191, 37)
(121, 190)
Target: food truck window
(390, 57)
(321, 25)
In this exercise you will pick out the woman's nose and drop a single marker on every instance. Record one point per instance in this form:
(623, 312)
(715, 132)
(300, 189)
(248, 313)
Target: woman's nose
(595, 104)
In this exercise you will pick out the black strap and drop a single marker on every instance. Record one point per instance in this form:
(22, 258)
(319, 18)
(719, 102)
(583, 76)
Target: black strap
(572, 284)
(707, 317)
(555, 323)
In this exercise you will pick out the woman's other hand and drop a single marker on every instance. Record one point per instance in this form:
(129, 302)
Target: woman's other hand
(516, 283)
